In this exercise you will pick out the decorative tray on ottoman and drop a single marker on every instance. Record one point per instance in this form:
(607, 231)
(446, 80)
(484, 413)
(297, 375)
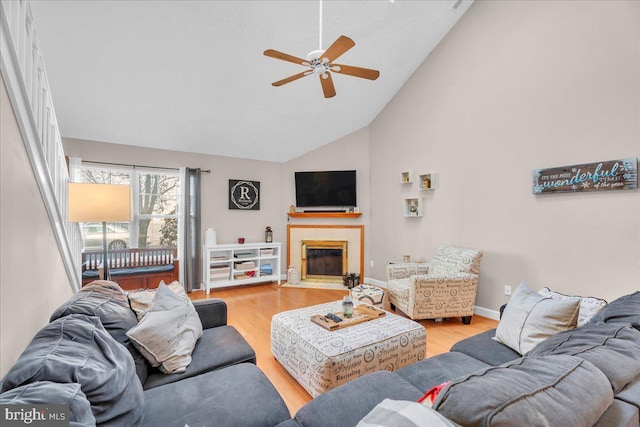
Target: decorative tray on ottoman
(361, 313)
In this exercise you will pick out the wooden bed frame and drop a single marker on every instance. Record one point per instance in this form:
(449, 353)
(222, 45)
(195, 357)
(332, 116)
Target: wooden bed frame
(147, 267)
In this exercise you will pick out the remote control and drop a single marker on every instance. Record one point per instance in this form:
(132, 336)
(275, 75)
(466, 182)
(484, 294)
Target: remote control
(333, 317)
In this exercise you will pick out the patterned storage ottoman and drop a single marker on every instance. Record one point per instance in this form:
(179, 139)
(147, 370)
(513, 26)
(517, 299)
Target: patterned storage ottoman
(369, 294)
(321, 360)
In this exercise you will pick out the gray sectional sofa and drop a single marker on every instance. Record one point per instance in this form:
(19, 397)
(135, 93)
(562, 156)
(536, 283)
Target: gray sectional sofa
(84, 359)
(588, 376)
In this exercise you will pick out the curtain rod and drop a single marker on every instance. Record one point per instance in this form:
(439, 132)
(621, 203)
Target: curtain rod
(140, 166)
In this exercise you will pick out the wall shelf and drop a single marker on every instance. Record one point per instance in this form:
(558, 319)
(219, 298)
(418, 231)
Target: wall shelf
(324, 214)
(406, 177)
(413, 207)
(428, 181)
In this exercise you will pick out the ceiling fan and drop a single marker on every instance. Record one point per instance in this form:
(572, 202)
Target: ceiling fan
(320, 63)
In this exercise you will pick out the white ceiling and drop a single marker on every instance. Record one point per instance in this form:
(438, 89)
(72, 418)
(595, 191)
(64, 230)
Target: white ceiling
(191, 76)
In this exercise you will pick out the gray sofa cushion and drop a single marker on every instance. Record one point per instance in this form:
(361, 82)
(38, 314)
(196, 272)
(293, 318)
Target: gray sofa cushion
(613, 348)
(77, 349)
(347, 404)
(289, 423)
(552, 391)
(619, 414)
(239, 395)
(46, 392)
(217, 348)
(435, 370)
(625, 309)
(482, 347)
(107, 301)
(631, 393)
(212, 312)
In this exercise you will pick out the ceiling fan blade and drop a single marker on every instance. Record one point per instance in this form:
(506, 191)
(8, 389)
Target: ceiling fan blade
(327, 86)
(365, 73)
(292, 78)
(285, 57)
(340, 46)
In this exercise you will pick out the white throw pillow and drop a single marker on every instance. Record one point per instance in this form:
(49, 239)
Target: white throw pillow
(140, 301)
(530, 318)
(403, 413)
(167, 334)
(589, 306)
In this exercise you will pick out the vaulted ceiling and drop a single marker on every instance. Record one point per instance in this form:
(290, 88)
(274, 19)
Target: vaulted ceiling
(191, 75)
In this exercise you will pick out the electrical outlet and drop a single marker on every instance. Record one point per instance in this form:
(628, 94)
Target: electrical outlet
(371, 263)
(507, 290)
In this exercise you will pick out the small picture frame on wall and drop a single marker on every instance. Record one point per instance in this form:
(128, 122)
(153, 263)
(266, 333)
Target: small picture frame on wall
(244, 195)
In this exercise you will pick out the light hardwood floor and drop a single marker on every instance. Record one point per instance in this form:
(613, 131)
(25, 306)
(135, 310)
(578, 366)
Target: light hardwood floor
(250, 309)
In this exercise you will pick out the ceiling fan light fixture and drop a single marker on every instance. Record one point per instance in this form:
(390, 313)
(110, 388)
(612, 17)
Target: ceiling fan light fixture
(314, 55)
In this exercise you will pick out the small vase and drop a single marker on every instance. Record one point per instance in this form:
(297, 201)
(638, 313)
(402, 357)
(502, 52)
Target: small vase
(268, 236)
(347, 306)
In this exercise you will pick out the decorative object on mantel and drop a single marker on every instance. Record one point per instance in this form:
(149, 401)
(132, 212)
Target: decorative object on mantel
(608, 175)
(244, 195)
(268, 235)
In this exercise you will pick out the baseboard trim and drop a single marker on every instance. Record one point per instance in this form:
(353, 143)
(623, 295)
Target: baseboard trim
(485, 312)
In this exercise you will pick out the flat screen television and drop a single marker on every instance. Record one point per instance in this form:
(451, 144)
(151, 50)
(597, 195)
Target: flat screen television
(328, 189)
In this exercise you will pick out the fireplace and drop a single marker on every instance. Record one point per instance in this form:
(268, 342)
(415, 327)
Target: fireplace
(352, 261)
(324, 260)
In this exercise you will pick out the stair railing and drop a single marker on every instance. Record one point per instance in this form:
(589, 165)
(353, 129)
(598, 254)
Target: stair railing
(22, 67)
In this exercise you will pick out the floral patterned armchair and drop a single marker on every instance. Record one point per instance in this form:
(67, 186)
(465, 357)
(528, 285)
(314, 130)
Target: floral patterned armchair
(444, 287)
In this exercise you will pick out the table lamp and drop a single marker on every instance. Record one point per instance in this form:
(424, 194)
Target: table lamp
(99, 203)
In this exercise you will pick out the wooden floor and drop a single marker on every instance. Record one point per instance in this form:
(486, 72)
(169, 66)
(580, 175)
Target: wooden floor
(250, 309)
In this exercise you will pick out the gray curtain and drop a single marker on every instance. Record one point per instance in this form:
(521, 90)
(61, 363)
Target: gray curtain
(191, 220)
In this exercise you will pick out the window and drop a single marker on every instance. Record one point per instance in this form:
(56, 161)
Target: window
(155, 208)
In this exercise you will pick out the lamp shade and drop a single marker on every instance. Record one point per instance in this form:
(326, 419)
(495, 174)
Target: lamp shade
(99, 202)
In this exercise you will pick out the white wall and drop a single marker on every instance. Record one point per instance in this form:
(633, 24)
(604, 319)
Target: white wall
(513, 87)
(33, 280)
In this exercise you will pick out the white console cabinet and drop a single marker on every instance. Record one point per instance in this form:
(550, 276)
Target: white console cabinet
(240, 264)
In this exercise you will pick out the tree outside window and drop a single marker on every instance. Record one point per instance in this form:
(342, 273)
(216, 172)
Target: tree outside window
(156, 195)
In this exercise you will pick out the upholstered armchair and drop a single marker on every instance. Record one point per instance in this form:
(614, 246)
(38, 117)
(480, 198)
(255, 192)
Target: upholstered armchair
(444, 287)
